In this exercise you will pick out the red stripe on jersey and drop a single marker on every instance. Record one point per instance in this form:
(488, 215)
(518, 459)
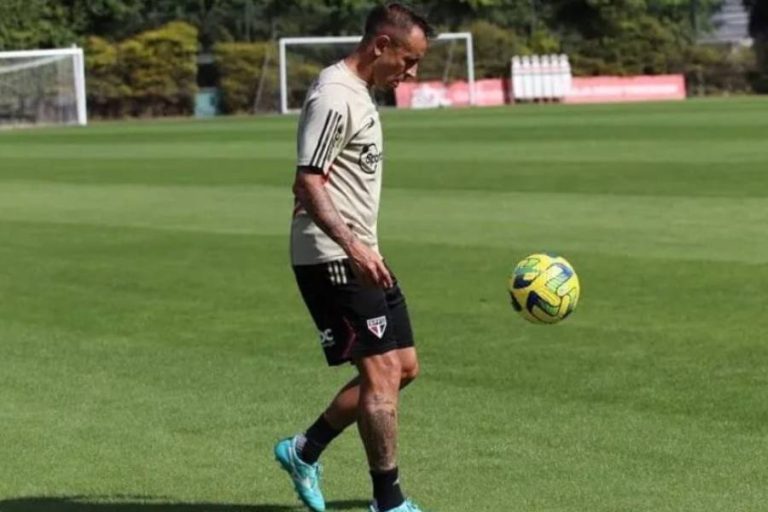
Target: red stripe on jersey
(327, 175)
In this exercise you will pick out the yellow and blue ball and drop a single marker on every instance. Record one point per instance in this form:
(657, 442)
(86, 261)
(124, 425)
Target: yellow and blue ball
(544, 288)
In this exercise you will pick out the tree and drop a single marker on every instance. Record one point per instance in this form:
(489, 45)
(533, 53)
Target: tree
(628, 36)
(115, 19)
(28, 24)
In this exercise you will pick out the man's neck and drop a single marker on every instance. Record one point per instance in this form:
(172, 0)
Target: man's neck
(359, 67)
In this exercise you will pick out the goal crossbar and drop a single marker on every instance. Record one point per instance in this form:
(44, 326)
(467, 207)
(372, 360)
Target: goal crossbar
(293, 41)
(41, 53)
(31, 64)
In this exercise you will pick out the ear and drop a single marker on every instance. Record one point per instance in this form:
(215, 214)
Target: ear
(381, 43)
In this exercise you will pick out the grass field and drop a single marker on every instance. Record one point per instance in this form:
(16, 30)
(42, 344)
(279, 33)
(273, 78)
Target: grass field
(153, 345)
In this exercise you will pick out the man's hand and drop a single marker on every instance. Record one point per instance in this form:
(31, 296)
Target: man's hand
(368, 265)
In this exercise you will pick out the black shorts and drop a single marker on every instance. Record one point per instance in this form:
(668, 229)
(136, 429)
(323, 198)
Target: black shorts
(354, 321)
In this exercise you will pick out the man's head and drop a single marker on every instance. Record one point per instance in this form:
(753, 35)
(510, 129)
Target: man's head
(395, 40)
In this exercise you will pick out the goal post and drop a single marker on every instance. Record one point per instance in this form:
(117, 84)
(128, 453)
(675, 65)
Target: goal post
(348, 43)
(44, 87)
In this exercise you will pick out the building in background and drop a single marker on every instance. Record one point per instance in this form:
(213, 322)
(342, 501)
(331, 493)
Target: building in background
(731, 25)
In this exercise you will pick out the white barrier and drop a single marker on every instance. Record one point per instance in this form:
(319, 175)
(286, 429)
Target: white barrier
(540, 77)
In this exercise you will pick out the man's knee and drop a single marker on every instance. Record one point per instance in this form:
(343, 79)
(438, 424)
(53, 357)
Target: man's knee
(382, 372)
(409, 363)
(410, 371)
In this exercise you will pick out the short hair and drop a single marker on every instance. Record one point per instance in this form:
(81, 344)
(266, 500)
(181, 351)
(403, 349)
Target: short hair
(397, 16)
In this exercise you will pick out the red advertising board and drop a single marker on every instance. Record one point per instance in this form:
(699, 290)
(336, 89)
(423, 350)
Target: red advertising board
(599, 89)
(437, 94)
(610, 89)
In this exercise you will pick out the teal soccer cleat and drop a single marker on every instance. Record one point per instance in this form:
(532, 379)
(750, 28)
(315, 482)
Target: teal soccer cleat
(306, 477)
(407, 506)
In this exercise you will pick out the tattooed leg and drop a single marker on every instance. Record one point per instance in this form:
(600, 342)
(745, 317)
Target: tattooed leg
(377, 409)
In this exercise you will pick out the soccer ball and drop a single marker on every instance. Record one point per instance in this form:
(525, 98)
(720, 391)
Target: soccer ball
(544, 288)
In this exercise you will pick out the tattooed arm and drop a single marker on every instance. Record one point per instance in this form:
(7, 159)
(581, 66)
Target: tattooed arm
(309, 189)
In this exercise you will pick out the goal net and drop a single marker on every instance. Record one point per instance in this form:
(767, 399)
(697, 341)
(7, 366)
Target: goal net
(42, 87)
(449, 61)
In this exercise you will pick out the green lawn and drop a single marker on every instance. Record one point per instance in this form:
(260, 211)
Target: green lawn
(153, 345)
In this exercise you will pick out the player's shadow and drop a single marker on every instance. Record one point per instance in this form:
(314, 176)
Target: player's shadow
(150, 504)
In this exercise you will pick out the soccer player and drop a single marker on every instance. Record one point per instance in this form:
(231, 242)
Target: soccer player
(352, 296)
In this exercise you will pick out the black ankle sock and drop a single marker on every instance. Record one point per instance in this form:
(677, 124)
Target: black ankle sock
(386, 489)
(319, 436)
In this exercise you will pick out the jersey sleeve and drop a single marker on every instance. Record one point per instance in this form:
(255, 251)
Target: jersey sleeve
(322, 128)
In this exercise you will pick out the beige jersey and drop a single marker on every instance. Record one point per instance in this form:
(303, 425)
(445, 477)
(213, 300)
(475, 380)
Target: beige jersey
(339, 135)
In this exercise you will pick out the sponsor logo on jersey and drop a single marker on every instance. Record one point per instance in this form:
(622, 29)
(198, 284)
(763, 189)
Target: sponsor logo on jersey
(370, 156)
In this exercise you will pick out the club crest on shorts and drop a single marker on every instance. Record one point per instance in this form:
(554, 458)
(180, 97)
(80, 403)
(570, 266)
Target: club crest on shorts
(377, 326)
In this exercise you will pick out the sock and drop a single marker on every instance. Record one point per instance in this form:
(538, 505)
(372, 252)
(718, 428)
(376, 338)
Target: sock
(386, 489)
(316, 439)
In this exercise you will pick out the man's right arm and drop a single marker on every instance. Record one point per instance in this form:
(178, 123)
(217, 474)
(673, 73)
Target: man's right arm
(309, 189)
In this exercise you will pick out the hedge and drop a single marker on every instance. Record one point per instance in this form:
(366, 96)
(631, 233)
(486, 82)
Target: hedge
(153, 73)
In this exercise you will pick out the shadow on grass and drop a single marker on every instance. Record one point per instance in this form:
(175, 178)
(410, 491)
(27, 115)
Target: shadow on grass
(151, 504)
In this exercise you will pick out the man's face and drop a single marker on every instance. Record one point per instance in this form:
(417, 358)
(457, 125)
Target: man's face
(397, 58)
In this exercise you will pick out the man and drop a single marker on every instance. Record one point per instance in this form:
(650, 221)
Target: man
(351, 294)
